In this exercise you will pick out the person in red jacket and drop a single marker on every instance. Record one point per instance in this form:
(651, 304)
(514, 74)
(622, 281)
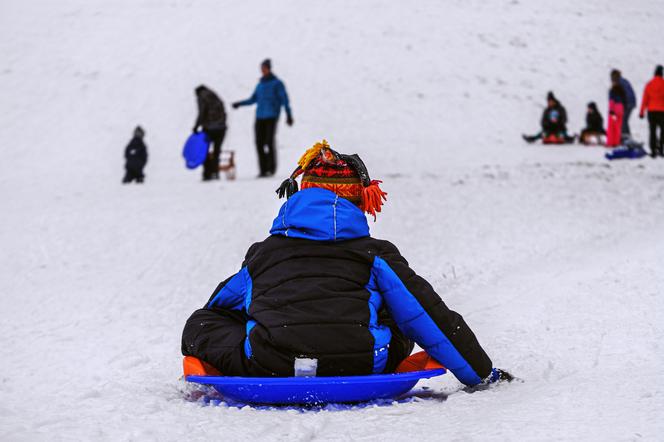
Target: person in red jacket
(653, 102)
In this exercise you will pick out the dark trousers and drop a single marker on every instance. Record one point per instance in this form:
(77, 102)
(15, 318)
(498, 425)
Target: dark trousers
(655, 123)
(264, 130)
(217, 337)
(625, 122)
(133, 174)
(211, 164)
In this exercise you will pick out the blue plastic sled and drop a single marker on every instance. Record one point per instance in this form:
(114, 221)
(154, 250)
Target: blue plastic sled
(315, 390)
(196, 149)
(631, 150)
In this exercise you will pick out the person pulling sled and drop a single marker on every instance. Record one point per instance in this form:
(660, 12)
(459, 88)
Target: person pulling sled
(321, 288)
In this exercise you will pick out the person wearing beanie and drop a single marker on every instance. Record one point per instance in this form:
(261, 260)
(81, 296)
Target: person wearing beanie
(136, 156)
(212, 118)
(269, 96)
(321, 288)
(653, 102)
(630, 98)
(553, 122)
(594, 125)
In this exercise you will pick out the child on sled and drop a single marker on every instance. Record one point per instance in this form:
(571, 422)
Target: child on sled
(320, 287)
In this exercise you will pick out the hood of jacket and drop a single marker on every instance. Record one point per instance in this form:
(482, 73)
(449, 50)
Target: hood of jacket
(320, 215)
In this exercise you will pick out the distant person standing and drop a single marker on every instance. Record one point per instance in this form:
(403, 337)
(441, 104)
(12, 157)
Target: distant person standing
(630, 98)
(270, 95)
(617, 100)
(212, 118)
(136, 156)
(653, 102)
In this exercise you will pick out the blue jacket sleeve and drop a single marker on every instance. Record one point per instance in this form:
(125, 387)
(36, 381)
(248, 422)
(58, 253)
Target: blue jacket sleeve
(232, 294)
(250, 100)
(629, 92)
(283, 98)
(423, 317)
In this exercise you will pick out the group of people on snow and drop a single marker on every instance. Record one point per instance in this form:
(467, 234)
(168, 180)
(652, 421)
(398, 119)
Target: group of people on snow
(622, 102)
(269, 96)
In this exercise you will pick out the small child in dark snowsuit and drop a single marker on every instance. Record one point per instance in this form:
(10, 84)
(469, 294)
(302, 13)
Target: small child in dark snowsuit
(594, 125)
(321, 288)
(136, 155)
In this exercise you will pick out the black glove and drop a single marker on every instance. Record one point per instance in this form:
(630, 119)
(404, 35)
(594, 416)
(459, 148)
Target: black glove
(289, 120)
(504, 376)
(235, 105)
(498, 375)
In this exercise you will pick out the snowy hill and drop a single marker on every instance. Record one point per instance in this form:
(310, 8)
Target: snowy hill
(553, 255)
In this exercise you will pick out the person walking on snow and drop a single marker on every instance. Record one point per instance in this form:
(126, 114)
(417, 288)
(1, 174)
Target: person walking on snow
(136, 156)
(320, 287)
(617, 105)
(653, 102)
(212, 118)
(630, 98)
(269, 96)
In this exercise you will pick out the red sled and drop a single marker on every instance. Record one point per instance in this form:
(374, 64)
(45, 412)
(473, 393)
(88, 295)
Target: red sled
(553, 139)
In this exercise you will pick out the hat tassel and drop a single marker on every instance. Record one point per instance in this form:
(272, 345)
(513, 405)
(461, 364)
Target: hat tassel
(372, 198)
(287, 188)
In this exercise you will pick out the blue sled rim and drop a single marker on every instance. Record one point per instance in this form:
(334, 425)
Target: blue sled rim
(315, 390)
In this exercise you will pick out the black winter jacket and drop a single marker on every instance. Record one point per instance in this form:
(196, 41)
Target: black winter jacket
(211, 112)
(136, 154)
(554, 119)
(594, 122)
(320, 287)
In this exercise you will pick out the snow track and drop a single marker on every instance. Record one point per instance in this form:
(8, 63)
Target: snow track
(553, 255)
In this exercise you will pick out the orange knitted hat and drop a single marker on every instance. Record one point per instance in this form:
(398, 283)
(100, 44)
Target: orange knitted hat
(345, 175)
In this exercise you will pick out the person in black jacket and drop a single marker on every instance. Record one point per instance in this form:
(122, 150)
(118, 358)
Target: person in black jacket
(136, 156)
(553, 122)
(212, 118)
(594, 125)
(319, 287)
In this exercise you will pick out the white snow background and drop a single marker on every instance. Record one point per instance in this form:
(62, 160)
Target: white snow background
(553, 255)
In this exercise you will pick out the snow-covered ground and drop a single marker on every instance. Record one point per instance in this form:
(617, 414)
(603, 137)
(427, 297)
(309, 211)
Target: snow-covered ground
(554, 256)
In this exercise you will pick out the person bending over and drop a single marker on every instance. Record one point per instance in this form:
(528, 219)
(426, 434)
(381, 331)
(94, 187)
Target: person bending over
(212, 118)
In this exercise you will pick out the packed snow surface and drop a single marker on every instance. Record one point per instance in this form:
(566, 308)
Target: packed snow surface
(553, 255)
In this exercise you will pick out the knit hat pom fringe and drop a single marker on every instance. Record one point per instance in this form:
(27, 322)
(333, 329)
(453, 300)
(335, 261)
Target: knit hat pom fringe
(312, 153)
(372, 198)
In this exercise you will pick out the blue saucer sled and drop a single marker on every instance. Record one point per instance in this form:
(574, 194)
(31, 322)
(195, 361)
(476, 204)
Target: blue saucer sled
(195, 150)
(315, 390)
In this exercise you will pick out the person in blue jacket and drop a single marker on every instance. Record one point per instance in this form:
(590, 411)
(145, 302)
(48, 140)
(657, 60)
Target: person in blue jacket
(269, 96)
(630, 98)
(321, 288)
